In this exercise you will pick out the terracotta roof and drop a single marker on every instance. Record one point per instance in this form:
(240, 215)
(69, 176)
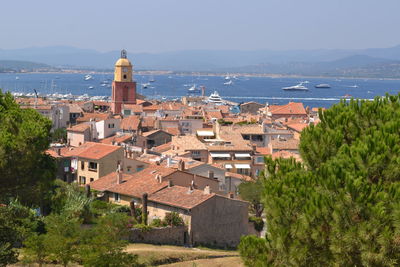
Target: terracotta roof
(75, 108)
(93, 116)
(75, 151)
(179, 196)
(148, 122)
(286, 154)
(98, 151)
(119, 139)
(52, 153)
(290, 144)
(172, 130)
(162, 148)
(108, 181)
(101, 103)
(151, 108)
(214, 114)
(188, 142)
(288, 109)
(238, 176)
(130, 123)
(263, 150)
(147, 134)
(81, 127)
(144, 181)
(298, 127)
(134, 107)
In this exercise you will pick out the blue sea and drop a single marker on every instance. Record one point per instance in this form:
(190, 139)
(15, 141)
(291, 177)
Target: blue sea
(243, 89)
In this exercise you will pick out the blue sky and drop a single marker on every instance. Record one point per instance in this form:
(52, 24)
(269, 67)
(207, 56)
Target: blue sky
(169, 25)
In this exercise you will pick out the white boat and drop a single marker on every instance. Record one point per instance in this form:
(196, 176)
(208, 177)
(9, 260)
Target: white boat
(88, 77)
(193, 89)
(152, 80)
(322, 85)
(353, 86)
(228, 82)
(91, 87)
(227, 77)
(17, 78)
(145, 85)
(297, 87)
(215, 98)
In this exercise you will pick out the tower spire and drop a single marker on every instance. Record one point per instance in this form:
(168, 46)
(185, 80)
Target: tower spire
(123, 53)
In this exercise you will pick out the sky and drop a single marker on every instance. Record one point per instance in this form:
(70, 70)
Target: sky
(172, 25)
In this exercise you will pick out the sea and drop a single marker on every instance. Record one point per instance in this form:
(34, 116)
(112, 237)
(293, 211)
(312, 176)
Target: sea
(170, 86)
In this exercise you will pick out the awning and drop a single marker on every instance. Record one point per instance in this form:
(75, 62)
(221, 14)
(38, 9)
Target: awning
(220, 155)
(242, 155)
(242, 166)
(205, 133)
(228, 166)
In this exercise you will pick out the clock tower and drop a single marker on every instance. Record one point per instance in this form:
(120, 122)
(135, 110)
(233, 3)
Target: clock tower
(123, 86)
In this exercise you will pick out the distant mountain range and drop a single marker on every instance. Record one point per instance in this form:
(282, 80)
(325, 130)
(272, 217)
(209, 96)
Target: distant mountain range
(374, 62)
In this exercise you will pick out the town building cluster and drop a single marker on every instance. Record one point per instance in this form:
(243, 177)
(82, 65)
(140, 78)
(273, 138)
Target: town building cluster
(187, 156)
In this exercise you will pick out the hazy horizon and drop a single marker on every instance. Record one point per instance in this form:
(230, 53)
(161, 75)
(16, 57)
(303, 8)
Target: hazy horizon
(174, 25)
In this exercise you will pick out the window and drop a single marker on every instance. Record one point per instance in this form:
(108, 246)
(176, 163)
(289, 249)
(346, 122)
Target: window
(246, 137)
(93, 166)
(260, 159)
(196, 153)
(116, 197)
(82, 179)
(91, 179)
(111, 125)
(127, 112)
(124, 76)
(82, 165)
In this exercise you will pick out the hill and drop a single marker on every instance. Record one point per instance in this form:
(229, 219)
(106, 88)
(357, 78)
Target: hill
(22, 66)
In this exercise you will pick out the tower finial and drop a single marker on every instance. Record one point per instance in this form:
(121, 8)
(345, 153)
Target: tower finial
(123, 53)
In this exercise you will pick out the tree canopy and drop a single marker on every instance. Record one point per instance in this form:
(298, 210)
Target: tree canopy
(26, 171)
(341, 206)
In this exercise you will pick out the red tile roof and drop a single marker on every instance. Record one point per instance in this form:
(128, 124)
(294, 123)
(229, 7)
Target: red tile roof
(93, 116)
(118, 139)
(298, 127)
(292, 108)
(179, 196)
(81, 127)
(130, 123)
(134, 107)
(98, 151)
(108, 181)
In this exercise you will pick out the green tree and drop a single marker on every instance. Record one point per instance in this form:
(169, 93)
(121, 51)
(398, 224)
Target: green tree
(26, 171)
(35, 249)
(251, 192)
(341, 207)
(62, 238)
(8, 236)
(59, 135)
(173, 219)
(102, 245)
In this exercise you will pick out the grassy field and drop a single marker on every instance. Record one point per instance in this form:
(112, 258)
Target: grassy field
(153, 255)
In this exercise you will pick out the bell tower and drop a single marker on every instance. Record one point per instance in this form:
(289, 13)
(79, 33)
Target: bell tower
(123, 86)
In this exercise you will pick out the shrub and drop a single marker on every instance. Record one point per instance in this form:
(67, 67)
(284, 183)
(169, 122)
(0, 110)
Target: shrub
(173, 219)
(257, 222)
(158, 223)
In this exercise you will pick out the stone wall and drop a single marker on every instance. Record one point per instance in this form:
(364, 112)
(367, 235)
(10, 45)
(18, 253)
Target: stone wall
(159, 236)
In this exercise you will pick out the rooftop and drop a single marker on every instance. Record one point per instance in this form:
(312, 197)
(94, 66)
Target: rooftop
(98, 151)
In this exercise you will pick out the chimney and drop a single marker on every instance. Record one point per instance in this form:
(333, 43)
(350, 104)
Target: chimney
(231, 195)
(170, 184)
(119, 174)
(59, 151)
(144, 208)
(181, 165)
(211, 174)
(159, 177)
(207, 190)
(169, 161)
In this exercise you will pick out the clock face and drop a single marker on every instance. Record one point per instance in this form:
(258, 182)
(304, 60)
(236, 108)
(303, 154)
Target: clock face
(125, 69)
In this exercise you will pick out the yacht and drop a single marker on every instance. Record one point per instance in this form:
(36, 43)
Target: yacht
(228, 82)
(227, 77)
(88, 77)
(152, 80)
(215, 98)
(91, 87)
(322, 85)
(298, 87)
(353, 86)
(193, 89)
